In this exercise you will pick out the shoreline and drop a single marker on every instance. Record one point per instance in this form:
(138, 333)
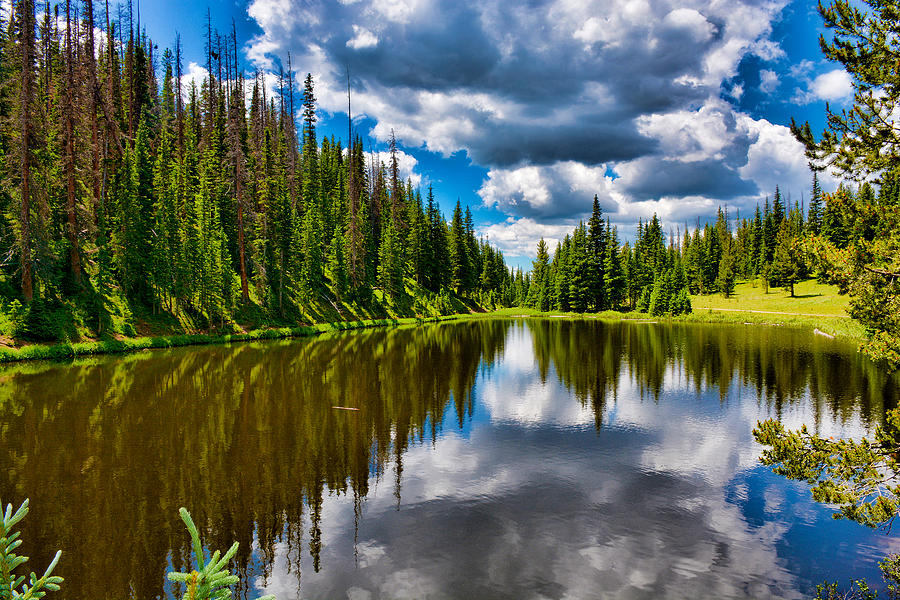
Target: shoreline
(839, 327)
(73, 350)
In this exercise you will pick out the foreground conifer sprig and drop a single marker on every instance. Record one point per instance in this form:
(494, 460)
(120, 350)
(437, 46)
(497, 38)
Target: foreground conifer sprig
(209, 580)
(36, 587)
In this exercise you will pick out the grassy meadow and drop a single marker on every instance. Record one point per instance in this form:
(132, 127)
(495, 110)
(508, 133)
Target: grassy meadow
(810, 299)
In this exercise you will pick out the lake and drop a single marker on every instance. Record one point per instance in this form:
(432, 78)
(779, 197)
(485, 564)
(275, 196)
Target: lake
(495, 458)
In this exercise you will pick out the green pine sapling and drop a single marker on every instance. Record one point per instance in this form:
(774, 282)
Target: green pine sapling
(210, 580)
(12, 586)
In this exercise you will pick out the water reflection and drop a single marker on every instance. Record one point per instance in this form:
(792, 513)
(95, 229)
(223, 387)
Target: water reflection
(468, 471)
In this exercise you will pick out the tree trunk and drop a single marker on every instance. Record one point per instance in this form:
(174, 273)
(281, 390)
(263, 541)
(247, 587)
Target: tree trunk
(245, 291)
(26, 40)
(93, 102)
(71, 220)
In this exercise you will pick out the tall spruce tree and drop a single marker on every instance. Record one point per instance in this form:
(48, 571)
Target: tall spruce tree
(597, 242)
(814, 218)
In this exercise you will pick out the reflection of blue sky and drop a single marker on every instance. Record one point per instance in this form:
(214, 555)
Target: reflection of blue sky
(528, 500)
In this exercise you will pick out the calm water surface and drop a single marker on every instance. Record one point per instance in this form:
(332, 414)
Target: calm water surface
(533, 458)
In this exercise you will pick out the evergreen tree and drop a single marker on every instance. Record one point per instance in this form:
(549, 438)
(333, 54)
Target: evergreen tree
(597, 242)
(311, 272)
(460, 260)
(787, 263)
(24, 132)
(136, 206)
(660, 295)
(769, 232)
(562, 274)
(418, 246)
(778, 210)
(538, 292)
(439, 245)
(581, 268)
(472, 249)
(694, 260)
(725, 280)
(613, 271)
(758, 242)
(337, 265)
(188, 200)
(390, 265)
(681, 304)
(814, 218)
(835, 227)
(726, 272)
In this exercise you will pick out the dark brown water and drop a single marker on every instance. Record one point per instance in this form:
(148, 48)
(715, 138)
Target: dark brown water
(491, 459)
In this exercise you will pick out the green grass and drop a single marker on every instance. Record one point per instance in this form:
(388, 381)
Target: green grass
(811, 298)
(816, 306)
(72, 350)
(837, 325)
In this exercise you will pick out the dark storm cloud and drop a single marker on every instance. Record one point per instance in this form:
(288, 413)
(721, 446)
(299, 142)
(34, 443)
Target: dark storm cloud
(543, 67)
(447, 53)
(657, 177)
(537, 83)
(588, 143)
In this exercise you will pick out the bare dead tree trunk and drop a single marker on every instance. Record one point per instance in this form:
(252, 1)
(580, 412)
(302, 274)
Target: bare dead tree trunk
(236, 118)
(292, 130)
(93, 102)
(26, 40)
(71, 220)
(245, 290)
(179, 105)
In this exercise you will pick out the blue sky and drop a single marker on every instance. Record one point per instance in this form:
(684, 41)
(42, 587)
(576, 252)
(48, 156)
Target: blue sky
(524, 111)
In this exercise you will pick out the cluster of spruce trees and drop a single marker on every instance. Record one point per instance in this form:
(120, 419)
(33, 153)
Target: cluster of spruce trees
(766, 246)
(591, 271)
(775, 245)
(199, 201)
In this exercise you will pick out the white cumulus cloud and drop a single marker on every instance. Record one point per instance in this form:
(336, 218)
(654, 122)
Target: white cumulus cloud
(831, 86)
(560, 100)
(556, 190)
(519, 237)
(362, 38)
(768, 81)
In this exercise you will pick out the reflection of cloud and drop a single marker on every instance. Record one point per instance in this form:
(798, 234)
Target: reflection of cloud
(579, 524)
(515, 393)
(533, 504)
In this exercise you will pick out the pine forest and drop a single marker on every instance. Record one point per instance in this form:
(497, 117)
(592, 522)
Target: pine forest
(132, 202)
